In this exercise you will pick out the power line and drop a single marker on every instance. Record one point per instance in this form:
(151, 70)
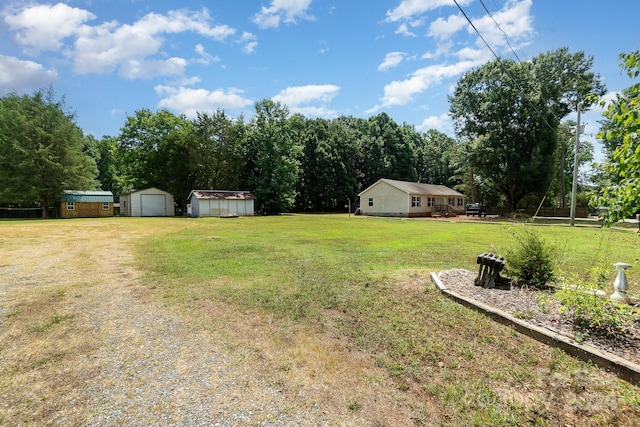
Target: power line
(475, 29)
(506, 71)
(498, 58)
(506, 38)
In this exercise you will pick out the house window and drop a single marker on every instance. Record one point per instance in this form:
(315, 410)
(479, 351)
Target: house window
(415, 201)
(460, 202)
(431, 201)
(105, 206)
(452, 201)
(370, 201)
(71, 206)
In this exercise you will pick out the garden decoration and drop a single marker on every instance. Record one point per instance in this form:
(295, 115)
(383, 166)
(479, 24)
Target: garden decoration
(489, 272)
(620, 285)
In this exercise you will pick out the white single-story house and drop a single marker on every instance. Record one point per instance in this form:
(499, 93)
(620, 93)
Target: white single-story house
(388, 197)
(148, 202)
(220, 203)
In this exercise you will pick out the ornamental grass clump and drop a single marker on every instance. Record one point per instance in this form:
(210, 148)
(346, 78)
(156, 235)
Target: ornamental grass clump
(533, 261)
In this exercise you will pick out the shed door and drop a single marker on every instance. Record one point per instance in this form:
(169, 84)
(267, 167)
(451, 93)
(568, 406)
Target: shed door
(152, 205)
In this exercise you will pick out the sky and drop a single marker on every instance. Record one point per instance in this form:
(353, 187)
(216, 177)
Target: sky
(320, 58)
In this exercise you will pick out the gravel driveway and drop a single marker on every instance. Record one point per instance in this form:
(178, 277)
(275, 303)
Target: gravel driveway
(111, 354)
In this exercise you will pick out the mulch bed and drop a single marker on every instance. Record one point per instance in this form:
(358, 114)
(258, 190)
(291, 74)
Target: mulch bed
(540, 308)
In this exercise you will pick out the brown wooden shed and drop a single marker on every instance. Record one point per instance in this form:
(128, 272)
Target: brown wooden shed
(86, 204)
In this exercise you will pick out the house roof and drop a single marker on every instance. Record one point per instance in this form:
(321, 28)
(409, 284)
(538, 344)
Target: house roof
(418, 188)
(87, 196)
(222, 194)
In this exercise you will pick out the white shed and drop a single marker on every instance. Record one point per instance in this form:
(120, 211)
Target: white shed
(149, 202)
(388, 197)
(220, 203)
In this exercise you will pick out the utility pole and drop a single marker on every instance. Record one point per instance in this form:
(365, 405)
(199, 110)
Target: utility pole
(574, 186)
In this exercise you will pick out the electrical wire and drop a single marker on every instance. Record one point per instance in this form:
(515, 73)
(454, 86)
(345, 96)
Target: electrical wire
(506, 38)
(512, 78)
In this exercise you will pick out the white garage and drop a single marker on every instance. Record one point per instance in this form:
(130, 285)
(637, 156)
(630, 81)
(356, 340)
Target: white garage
(148, 202)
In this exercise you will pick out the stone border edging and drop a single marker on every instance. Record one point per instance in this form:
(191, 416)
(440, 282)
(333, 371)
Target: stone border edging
(626, 370)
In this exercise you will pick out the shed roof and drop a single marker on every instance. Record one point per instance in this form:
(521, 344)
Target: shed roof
(150, 189)
(222, 194)
(419, 188)
(87, 196)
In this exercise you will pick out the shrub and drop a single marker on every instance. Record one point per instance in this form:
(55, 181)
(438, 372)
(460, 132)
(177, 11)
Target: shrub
(533, 261)
(592, 313)
(597, 315)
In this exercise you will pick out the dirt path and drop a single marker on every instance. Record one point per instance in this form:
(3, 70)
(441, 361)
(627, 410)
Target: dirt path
(85, 343)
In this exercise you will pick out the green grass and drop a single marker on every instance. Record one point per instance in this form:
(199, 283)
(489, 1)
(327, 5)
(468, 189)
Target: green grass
(346, 276)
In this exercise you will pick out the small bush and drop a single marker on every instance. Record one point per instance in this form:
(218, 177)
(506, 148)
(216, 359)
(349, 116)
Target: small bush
(594, 314)
(597, 315)
(533, 261)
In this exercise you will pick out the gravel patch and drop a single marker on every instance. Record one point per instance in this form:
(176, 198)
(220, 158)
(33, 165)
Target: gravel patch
(128, 359)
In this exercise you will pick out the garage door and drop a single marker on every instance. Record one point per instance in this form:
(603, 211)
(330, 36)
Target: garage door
(152, 205)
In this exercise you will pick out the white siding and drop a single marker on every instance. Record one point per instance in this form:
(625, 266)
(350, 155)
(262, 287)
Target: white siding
(148, 202)
(387, 201)
(220, 207)
(396, 198)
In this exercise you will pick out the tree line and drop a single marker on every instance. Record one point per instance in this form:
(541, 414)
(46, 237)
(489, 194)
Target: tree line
(512, 147)
(288, 162)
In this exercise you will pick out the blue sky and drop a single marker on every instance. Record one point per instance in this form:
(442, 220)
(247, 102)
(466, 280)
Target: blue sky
(321, 58)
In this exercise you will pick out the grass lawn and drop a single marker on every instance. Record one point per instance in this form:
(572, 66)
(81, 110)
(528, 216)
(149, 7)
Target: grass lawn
(365, 283)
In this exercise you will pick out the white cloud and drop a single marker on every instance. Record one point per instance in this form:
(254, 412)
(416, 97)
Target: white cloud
(477, 56)
(514, 19)
(408, 9)
(301, 94)
(391, 60)
(146, 69)
(403, 29)
(296, 98)
(286, 11)
(441, 123)
(205, 57)
(444, 29)
(249, 41)
(44, 27)
(17, 75)
(103, 48)
(132, 49)
(189, 101)
(180, 21)
(401, 92)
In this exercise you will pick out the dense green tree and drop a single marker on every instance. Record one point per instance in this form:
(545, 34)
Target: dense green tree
(154, 152)
(272, 155)
(510, 113)
(435, 164)
(105, 152)
(42, 150)
(398, 156)
(215, 152)
(621, 134)
(328, 175)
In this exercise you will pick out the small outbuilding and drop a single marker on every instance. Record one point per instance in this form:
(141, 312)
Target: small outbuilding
(86, 204)
(148, 202)
(388, 197)
(220, 203)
